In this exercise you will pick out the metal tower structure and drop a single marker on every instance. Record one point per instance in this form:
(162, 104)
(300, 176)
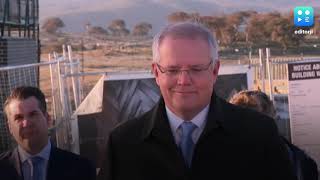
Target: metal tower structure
(19, 45)
(19, 18)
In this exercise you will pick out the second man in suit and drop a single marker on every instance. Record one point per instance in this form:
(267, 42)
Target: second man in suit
(36, 158)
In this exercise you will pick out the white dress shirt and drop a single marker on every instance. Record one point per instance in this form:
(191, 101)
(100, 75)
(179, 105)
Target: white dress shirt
(199, 120)
(26, 162)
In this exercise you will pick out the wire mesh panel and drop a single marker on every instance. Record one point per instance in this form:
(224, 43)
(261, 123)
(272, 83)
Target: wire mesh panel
(10, 79)
(19, 18)
(13, 78)
(42, 75)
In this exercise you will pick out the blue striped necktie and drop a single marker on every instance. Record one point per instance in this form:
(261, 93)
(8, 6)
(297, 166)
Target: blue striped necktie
(37, 163)
(187, 144)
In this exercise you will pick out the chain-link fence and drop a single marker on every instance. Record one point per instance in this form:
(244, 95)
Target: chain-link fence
(11, 77)
(65, 87)
(275, 69)
(62, 91)
(271, 76)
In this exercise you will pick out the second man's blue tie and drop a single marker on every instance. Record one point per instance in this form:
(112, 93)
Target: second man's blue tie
(37, 163)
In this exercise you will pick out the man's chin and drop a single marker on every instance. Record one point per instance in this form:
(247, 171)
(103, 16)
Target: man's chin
(185, 99)
(28, 135)
(186, 106)
(30, 139)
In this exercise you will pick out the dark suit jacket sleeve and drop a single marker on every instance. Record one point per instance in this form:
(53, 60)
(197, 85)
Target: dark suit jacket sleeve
(277, 157)
(65, 165)
(90, 170)
(105, 172)
(87, 170)
(8, 169)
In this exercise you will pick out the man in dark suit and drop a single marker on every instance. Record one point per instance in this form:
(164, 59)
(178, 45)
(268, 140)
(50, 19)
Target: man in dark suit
(305, 167)
(35, 158)
(192, 133)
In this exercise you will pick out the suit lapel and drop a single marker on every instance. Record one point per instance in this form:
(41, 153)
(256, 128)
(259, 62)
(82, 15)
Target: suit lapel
(55, 171)
(216, 118)
(159, 129)
(15, 160)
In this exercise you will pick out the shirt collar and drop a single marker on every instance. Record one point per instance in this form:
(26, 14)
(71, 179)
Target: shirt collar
(44, 153)
(199, 120)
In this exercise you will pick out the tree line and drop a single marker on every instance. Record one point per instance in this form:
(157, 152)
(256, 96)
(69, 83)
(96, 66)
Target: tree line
(248, 28)
(117, 27)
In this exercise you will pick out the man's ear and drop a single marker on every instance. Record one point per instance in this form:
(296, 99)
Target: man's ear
(49, 119)
(155, 72)
(216, 68)
(154, 69)
(6, 118)
(215, 71)
(9, 126)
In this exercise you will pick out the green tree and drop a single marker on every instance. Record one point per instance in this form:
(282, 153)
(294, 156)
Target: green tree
(141, 29)
(97, 30)
(178, 17)
(118, 27)
(216, 25)
(52, 24)
(317, 25)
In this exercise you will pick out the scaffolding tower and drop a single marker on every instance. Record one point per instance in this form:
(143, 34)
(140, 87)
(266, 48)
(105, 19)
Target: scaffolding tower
(19, 18)
(19, 45)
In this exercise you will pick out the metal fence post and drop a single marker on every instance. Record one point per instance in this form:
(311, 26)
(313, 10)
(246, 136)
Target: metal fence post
(74, 81)
(64, 51)
(250, 59)
(52, 90)
(65, 108)
(269, 73)
(262, 77)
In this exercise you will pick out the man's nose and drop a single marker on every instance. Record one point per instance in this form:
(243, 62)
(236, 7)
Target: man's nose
(25, 122)
(184, 77)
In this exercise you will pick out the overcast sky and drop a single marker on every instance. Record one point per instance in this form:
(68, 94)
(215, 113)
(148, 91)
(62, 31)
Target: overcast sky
(75, 13)
(59, 7)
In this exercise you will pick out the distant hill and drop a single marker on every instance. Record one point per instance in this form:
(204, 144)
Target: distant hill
(75, 13)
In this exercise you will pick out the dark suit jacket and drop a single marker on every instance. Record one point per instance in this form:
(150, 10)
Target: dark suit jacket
(236, 144)
(62, 165)
(305, 167)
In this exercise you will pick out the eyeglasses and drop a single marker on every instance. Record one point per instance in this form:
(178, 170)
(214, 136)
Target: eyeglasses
(192, 71)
